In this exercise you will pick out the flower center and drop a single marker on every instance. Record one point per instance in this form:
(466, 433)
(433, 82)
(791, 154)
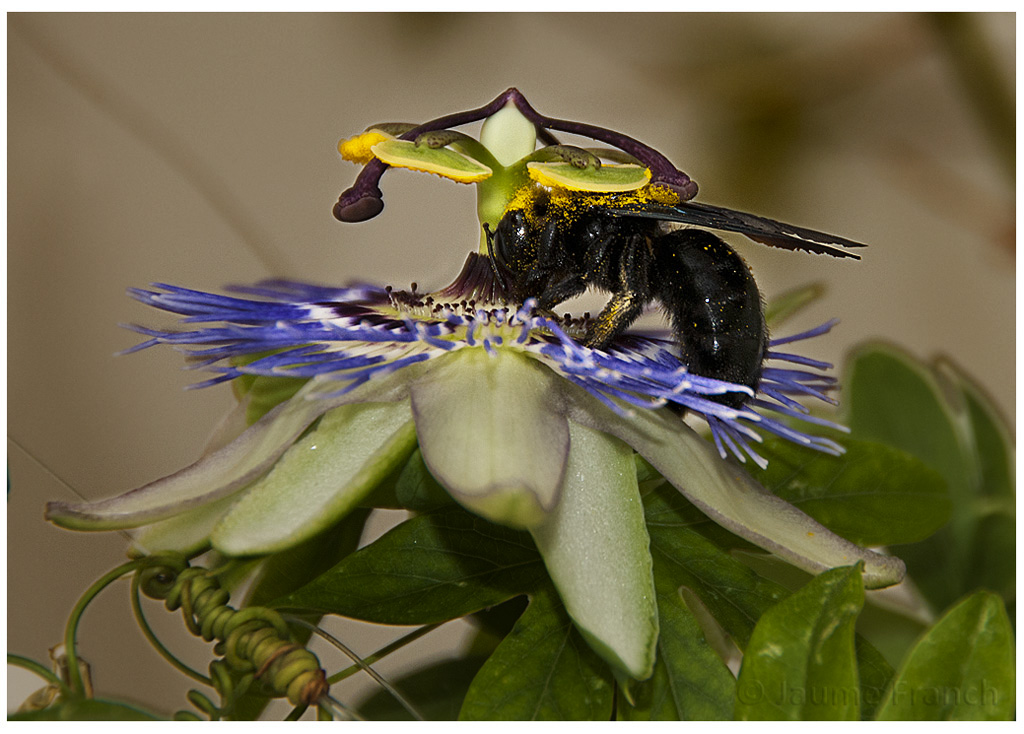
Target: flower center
(479, 321)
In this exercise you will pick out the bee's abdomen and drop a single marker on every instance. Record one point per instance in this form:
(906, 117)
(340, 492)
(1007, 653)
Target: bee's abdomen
(714, 306)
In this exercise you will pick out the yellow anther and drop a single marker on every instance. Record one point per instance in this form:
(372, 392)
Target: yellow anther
(357, 149)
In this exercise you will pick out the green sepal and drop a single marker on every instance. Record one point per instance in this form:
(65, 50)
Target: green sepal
(727, 495)
(187, 533)
(263, 392)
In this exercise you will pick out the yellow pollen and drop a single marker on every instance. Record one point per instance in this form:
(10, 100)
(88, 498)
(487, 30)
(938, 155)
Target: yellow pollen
(357, 149)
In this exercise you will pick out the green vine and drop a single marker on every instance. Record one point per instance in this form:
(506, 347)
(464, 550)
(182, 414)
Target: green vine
(254, 643)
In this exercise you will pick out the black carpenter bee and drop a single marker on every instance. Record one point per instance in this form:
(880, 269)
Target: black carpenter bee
(553, 244)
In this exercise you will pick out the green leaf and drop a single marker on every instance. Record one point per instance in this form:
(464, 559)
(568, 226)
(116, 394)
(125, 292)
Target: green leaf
(416, 489)
(86, 709)
(596, 550)
(871, 495)
(800, 663)
(895, 400)
(735, 595)
(431, 568)
(962, 669)
(283, 573)
(992, 560)
(646, 475)
(543, 670)
(690, 681)
(436, 692)
(944, 420)
(991, 553)
(875, 674)
(990, 437)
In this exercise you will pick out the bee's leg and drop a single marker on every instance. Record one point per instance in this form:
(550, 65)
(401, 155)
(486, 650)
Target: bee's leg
(622, 310)
(574, 283)
(561, 290)
(559, 279)
(630, 293)
(598, 258)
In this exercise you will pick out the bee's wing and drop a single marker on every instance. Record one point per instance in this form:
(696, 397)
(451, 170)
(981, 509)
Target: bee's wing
(760, 229)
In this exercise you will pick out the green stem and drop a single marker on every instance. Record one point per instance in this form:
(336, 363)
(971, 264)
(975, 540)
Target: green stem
(384, 652)
(41, 670)
(74, 676)
(361, 664)
(337, 710)
(166, 654)
(296, 713)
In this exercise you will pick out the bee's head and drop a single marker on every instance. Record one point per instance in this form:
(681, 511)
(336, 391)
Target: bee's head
(515, 238)
(514, 251)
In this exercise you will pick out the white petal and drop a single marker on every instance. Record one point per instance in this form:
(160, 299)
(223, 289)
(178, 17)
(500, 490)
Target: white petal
(185, 533)
(490, 432)
(323, 476)
(231, 467)
(727, 495)
(212, 477)
(597, 551)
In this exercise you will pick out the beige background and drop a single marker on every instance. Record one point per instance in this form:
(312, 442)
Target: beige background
(200, 150)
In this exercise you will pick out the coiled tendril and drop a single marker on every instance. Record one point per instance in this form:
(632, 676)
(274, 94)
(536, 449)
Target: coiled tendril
(254, 643)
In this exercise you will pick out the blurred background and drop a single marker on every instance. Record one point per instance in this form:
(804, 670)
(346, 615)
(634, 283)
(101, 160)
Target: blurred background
(200, 150)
